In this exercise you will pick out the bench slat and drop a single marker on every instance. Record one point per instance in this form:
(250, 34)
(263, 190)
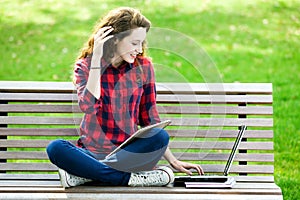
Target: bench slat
(248, 88)
(48, 177)
(39, 120)
(37, 167)
(209, 168)
(229, 110)
(39, 132)
(256, 122)
(186, 133)
(163, 98)
(230, 99)
(24, 155)
(265, 191)
(25, 143)
(221, 122)
(41, 184)
(249, 157)
(55, 177)
(158, 190)
(208, 109)
(38, 97)
(215, 88)
(39, 108)
(31, 183)
(210, 133)
(215, 145)
(220, 145)
(34, 86)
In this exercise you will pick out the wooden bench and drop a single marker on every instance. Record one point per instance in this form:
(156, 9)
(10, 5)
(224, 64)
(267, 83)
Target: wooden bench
(205, 120)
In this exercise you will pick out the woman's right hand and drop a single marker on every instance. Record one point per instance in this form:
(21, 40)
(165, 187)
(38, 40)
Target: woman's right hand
(94, 76)
(99, 39)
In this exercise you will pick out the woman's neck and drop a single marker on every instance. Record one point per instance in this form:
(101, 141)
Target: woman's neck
(116, 61)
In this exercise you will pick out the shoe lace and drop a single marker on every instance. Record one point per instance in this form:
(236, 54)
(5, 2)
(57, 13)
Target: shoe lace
(75, 180)
(150, 178)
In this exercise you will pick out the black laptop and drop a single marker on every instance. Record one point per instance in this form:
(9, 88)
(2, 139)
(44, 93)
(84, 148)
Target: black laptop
(213, 181)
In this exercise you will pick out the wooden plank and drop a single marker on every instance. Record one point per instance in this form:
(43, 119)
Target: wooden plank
(28, 167)
(33, 120)
(24, 155)
(39, 108)
(221, 122)
(31, 193)
(216, 145)
(177, 133)
(160, 190)
(55, 177)
(38, 97)
(200, 145)
(213, 133)
(17, 177)
(249, 157)
(36, 86)
(162, 98)
(262, 195)
(235, 88)
(208, 168)
(215, 88)
(94, 192)
(28, 143)
(175, 190)
(217, 99)
(30, 183)
(39, 132)
(209, 109)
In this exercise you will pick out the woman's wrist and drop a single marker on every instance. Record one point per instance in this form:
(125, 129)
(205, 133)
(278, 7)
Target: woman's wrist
(173, 163)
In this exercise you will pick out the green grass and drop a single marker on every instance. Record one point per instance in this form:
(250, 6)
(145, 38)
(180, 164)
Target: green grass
(248, 41)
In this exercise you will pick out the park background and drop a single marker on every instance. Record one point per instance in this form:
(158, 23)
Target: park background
(248, 41)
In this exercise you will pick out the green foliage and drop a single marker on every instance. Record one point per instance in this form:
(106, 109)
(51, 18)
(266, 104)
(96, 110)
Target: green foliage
(248, 41)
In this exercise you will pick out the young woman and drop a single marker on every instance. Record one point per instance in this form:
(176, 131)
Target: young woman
(116, 91)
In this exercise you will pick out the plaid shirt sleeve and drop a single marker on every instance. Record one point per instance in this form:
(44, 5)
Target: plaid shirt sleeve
(148, 110)
(87, 102)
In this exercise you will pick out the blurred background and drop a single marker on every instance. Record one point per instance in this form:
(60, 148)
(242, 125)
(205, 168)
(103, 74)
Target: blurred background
(247, 41)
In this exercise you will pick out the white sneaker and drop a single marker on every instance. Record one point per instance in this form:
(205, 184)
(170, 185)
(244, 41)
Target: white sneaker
(159, 177)
(68, 180)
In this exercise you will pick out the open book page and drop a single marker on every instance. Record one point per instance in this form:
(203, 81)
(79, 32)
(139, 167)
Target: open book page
(139, 133)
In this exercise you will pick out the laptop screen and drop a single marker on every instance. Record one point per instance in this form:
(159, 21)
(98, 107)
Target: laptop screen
(234, 149)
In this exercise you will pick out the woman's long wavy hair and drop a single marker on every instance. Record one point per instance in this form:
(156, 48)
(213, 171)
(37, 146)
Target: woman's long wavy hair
(123, 20)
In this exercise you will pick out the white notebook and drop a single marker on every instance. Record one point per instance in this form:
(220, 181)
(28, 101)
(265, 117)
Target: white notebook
(139, 133)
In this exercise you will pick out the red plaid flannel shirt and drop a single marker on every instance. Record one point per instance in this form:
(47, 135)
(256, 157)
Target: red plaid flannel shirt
(128, 99)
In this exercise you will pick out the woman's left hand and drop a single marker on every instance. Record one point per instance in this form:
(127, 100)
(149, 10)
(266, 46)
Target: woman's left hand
(185, 167)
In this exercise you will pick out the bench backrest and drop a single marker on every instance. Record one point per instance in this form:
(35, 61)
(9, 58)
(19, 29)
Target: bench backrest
(205, 120)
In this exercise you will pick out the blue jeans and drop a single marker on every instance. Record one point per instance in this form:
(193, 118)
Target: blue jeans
(140, 155)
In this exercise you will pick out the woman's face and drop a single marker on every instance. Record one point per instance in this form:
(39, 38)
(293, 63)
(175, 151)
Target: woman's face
(130, 46)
